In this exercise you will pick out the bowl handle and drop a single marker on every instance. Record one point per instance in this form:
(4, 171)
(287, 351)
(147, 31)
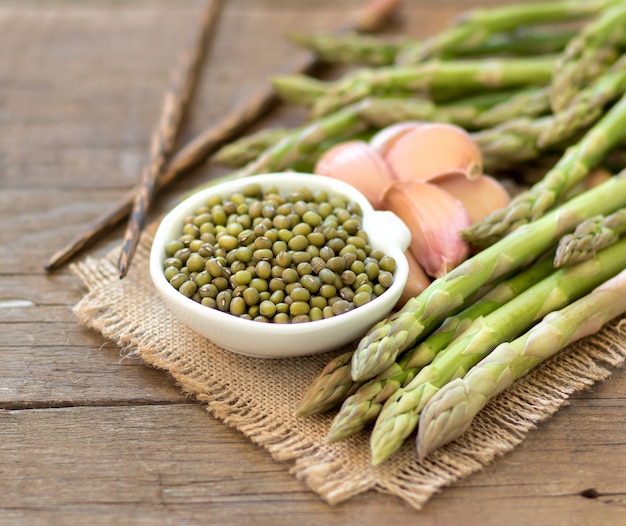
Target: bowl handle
(384, 224)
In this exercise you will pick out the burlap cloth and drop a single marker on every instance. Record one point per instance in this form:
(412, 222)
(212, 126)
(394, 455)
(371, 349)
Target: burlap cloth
(258, 397)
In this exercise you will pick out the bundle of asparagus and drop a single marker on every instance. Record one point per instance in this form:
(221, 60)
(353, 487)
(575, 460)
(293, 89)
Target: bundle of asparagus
(450, 411)
(375, 386)
(541, 83)
(435, 83)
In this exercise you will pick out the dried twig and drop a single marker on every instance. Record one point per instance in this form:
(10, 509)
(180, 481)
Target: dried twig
(164, 136)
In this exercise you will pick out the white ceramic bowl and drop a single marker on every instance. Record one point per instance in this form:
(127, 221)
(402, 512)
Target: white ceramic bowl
(272, 340)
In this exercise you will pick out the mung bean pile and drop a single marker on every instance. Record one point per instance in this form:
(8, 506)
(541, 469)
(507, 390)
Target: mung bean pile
(277, 257)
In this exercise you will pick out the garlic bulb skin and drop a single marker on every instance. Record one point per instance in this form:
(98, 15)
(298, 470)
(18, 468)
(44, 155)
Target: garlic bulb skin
(480, 197)
(384, 140)
(435, 219)
(418, 280)
(432, 150)
(358, 164)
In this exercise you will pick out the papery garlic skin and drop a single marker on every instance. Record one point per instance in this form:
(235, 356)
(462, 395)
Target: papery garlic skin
(434, 150)
(435, 219)
(358, 164)
(417, 281)
(480, 197)
(385, 139)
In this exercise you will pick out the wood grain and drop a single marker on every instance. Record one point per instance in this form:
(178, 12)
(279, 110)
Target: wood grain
(88, 437)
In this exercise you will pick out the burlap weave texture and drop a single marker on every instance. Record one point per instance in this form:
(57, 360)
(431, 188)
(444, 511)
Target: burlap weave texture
(259, 397)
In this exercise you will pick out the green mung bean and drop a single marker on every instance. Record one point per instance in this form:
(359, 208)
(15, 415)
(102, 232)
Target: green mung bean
(238, 306)
(178, 279)
(170, 272)
(195, 262)
(251, 296)
(172, 262)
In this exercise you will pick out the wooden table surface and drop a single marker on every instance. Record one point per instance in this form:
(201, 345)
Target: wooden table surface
(87, 437)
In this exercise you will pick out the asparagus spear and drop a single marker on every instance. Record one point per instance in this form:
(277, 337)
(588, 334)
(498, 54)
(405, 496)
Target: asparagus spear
(437, 79)
(291, 147)
(532, 102)
(588, 54)
(243, 150)
(586, 106)
(573, 166)
(367, 50)
(384, 111)
(450, 412)
(299, 89)
(364, 405)
(379, 348)
(590, 236)
(350, 48)
(511, 142)
(330, 387)
(399, 416)
(476, 26)
(521, 41)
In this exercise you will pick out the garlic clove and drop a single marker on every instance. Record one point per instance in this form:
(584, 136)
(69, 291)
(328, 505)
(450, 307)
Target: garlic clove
(358, 164)
(432, 150)
(417, 281)
(435, 219)
(383, 140)
(480, 196)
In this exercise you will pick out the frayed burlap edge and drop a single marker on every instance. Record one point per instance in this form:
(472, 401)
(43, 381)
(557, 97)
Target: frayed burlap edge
(334, 471)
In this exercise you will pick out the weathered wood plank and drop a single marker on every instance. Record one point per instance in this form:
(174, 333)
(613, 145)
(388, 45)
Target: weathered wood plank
(172, 464)
(77, 375)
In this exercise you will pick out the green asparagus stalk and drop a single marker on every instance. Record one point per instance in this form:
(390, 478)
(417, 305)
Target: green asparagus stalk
(436, 79)
(379, 348)
(529, 103)
(365, 404)
(476, 26)
(450, 412)
(291, 147)
(590, 236)
(399, 416)
(350, 48)
(575, 164)
(379, 112)
(587, 106)
(465, 112)
(329, 388)
(521, 41)
(511, 142)
(375, 51)
(299, 89)
(241, 151)
(588, 54)
(457, 77)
